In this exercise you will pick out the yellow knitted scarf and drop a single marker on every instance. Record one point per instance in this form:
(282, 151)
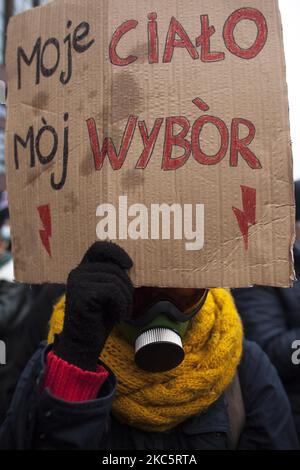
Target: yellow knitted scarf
(160, 401)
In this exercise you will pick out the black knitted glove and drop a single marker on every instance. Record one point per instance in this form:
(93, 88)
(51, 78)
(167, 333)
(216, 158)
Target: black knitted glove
(99, 293)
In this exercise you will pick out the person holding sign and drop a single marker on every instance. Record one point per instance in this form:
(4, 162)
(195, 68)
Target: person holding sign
(146, 368)
(135, 115)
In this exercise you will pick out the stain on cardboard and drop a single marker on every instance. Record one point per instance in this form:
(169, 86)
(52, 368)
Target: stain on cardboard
(40, 101)
(92, 94)
(123, 96)
(80, 107)
(87, 166)
(17, 250)
(141, 51)
(29, 240)
(131, 180)
(71, 202)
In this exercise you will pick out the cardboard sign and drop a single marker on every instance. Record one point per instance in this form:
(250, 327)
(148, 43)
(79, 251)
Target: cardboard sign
(162, 126)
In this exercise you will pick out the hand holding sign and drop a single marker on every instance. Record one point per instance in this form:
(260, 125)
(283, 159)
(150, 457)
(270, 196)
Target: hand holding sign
(99, 293)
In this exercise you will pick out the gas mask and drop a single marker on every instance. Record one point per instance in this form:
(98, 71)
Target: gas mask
(158, 321)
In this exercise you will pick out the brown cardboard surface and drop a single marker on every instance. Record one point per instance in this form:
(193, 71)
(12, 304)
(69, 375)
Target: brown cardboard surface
(142, 72)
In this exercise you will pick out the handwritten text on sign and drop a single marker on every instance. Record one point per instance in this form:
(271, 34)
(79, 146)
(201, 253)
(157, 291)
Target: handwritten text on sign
(79, 39)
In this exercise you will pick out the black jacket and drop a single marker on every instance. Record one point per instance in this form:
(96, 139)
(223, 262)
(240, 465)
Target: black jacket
(271, 317)
(24, 315)
(38, 420)
(15, 302)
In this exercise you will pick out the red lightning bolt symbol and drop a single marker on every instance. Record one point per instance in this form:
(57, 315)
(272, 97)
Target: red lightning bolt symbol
(247, 216)
(46, 232)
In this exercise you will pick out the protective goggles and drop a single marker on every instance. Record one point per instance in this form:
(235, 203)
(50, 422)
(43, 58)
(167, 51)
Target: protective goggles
(149, 302)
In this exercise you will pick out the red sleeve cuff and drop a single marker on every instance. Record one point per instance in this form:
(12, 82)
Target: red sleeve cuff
(70, 383)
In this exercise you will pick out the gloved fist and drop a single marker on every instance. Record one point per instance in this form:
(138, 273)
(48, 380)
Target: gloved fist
(99, 293)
